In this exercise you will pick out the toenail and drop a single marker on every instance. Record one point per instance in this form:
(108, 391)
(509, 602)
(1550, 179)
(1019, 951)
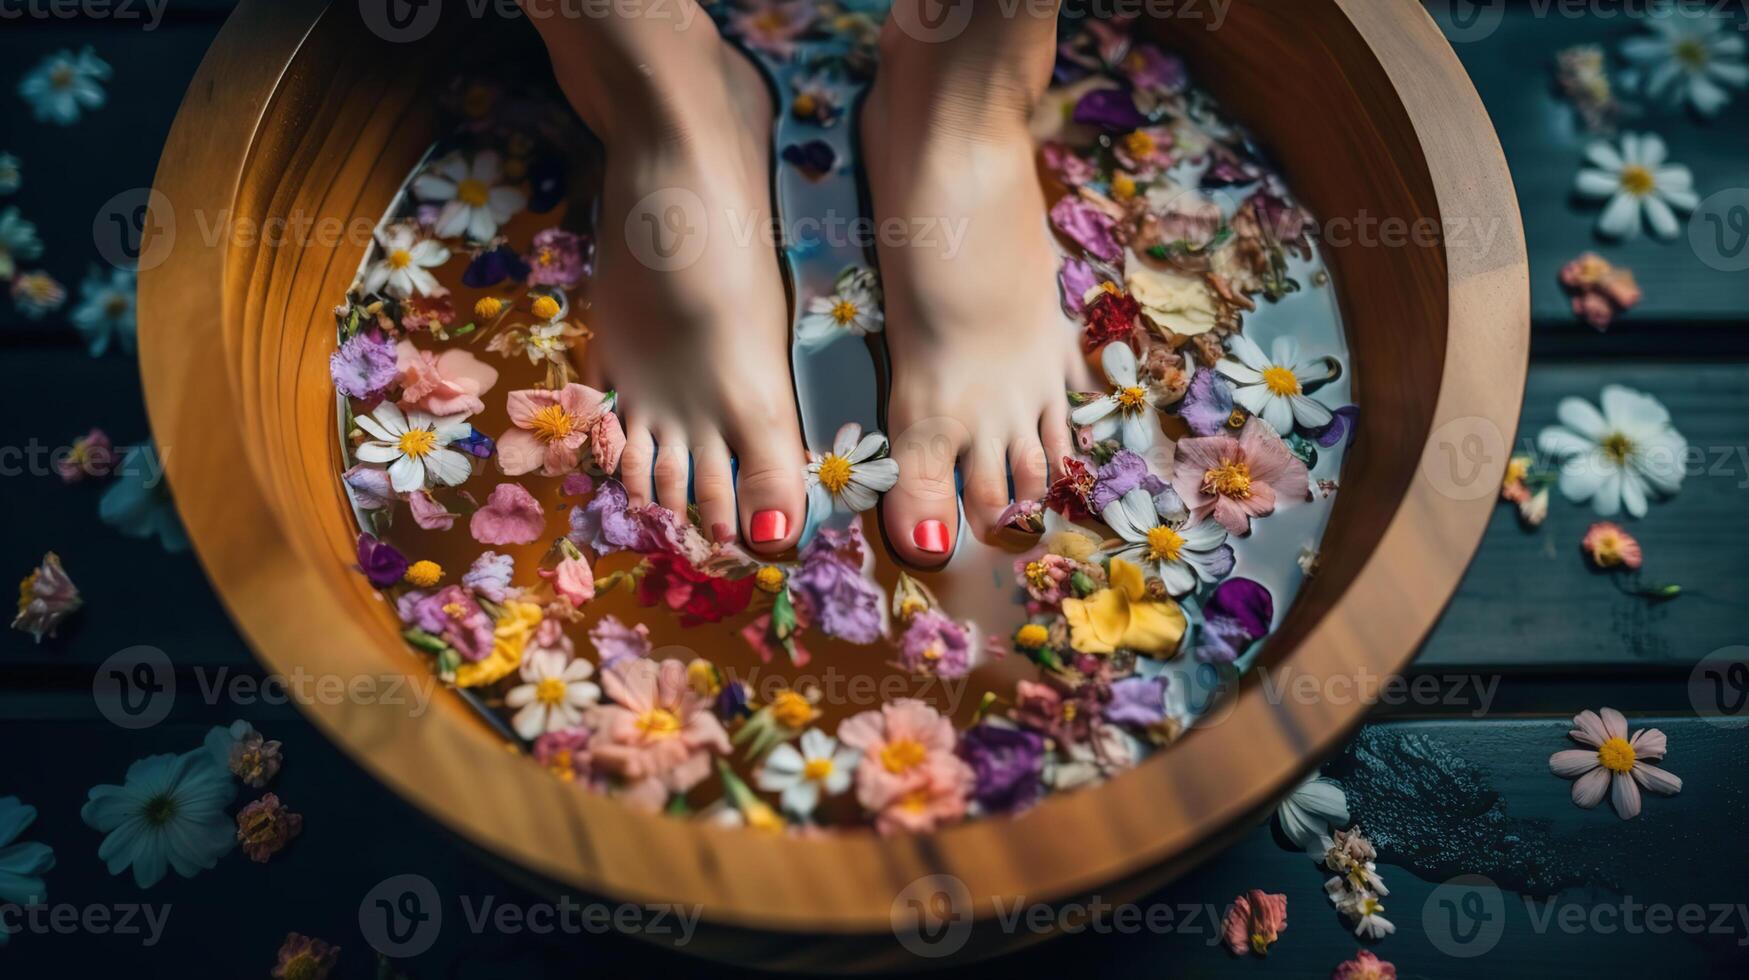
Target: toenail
(930, 536)
(768, 526)
(721, 532)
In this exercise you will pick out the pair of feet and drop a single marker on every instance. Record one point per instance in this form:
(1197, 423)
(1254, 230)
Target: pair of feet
(693, 331)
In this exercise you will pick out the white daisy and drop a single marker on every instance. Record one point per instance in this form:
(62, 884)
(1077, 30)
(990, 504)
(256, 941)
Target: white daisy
(106, 310)
(1690, 57)
(401, 272)
(17, 241)
(553, 695)
(1309, 812)
(1636, 181)
(413, 445)
(1612, 458)
(473, 202)
(168, 813)
(851, 477)
(1128, 412)
(1274, 387)
(853, 309)
(1178, 554)
(802, 775)
(64, 84)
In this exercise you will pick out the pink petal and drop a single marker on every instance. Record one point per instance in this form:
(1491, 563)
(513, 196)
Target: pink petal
(1657, 780)
(1588, 789)
(581, 400)
(1649, 744)
(511, 516)
(523, 405)
(1572, 763)
(1588, 729)
(520, 451)
(462, 366)
(1624, 793)
(1614, 723)
(561, 457)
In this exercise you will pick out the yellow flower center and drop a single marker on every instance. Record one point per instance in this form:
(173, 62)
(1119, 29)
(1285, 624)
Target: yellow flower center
(472, 192)
(400, 258)
(805, 105)
(546, 257)
(1616, 755)
(62, 76)
(834, 473)
(817, 769)
(1637, 180)
(1139, 144)
(902, 755)
(1691, 53)
(1617, 448)
(1607, 549)
(792, 710)
(1032, 636)
(1230, 479)
(116, 305)
(844, 311)
(1131, 399)
(1037, 574)
(488, 307)
(771, 21)
(550, 692)
(1164, 543)
(659, 723)
(1280, 381)
(769, 578)
(1123, 186)
(552, 424)
(424, 574)
(417, 442)
(545, 307)
(1237, 419)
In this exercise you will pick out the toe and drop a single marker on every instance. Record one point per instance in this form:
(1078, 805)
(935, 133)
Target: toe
(635, 463)
(673, 469)
(713, 486)
(921, 512)
(769, 491)
(1030, 466)
(986, 484)
(1054, 434)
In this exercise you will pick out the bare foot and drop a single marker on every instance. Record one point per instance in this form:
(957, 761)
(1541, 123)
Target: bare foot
(689, 309)
(982, 353)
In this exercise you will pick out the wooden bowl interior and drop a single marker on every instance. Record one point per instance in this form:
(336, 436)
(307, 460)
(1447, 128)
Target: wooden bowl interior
(303, 115)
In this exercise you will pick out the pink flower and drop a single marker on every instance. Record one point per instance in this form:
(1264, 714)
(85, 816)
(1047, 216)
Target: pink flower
(90, 455)
(658, 735)
(557, 259)
(606, 442)
(573, 580)
(1364, 966)
(909, 775)
(511, 516)
(449, 383)
(1238, 479)
(45, 597)
(1608, 546)
(1145, 151)
(428, 513)
(550, 428)
(265, 827)
(1255, 920)
(773, 26)
(1613, 762)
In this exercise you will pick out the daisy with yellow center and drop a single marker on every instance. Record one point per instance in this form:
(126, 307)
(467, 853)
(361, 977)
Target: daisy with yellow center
(554, 693)
(852, 309)
(1617, 458)
(415, 447)
(1273, 386)
(851, 477)
(804, 771)
(1689, 54)
(1614, 763)
(1638, 185)
(1129, 411)
(1157, 537)
(407, 259)
(475, 204)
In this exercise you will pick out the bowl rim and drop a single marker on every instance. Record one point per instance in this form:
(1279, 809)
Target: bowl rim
(1140, 828)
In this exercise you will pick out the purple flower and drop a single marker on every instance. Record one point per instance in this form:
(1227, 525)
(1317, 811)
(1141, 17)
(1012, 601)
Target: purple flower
(364, 366)
(477, 444)
(492, 267)
(369, 486)
(489, 576)
(1226, 171)
(556, 259)
(1137, 701)
(452, 613)
(1237, 615)
(1077, 277)
(1341, 424)
(1123, 473)
(1110, 109)
(614, 641)
(936, 644)
(815, 158)
(840, 598)
(1207, 405)
(1070, 167)
(1088, 227)
(602, 524)
(1006, 763)
(1152, 70)
(380, 562)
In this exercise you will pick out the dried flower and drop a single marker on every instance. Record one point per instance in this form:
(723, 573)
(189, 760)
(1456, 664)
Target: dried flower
(265, 827)
(45, 597)
(1255, 920)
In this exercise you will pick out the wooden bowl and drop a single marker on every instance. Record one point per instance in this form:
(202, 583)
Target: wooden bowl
(301, 114)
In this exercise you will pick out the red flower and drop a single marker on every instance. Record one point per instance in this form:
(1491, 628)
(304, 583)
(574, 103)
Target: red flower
(1110, 317)
(698, 597)
(1068, 495)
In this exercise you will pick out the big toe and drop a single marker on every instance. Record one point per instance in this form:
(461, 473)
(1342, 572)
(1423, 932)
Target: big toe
(921, 512)
(770, 492)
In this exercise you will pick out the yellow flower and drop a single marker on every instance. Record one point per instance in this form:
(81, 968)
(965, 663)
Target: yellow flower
(769, 578)
(1123, 616)
(488, 307)
(546, 307)
(793, 710)
(510, 636)
(424, 574)
(1031, 636)
(701, 676)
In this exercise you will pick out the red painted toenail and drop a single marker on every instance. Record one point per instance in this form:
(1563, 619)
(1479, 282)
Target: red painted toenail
(931, 536)
(768, 526)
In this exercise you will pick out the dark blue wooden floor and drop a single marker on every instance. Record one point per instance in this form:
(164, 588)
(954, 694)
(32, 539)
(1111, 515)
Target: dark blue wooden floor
(1579, 892)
